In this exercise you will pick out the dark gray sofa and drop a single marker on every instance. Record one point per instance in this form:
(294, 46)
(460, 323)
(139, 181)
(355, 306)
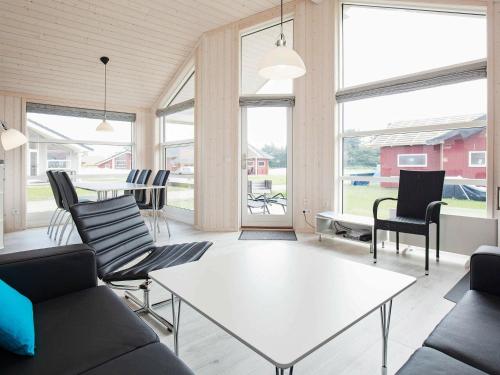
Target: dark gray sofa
(467, 340)
(80, 328)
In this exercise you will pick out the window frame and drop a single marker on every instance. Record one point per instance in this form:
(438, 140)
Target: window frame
(340, 177)
(400, 165)
(162, 114)
(485, 153)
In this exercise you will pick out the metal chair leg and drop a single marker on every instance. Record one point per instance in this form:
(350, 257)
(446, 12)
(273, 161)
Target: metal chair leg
(56, 222)
(397, 242)
(64, 229)
(70, 233)
(61, 219)
(145, 306)
(437, 242)
(52, 219)
(427, 254)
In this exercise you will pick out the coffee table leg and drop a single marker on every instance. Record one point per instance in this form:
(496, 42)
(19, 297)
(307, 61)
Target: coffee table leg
(175, 324)
(385, 317)
(281, 371)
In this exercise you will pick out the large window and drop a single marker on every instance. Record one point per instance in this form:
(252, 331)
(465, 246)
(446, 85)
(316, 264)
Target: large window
(413, 99)
(63, 138)
(177, 128)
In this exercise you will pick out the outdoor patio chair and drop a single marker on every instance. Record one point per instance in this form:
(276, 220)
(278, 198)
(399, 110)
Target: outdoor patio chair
(260, 187)
(280, 200)
(419, 205)
(257, 203)
(124, 249)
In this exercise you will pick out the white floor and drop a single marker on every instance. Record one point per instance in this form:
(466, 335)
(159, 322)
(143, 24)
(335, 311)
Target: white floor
(210, 351)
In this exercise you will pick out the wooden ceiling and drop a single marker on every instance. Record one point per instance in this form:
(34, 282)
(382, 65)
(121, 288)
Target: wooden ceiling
(52, 47)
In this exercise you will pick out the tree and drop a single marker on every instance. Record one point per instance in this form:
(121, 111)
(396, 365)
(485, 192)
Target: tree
(278, 154)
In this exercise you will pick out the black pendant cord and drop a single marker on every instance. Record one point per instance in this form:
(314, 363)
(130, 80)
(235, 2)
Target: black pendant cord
(281, 17)
(105, 61)
(105, 89)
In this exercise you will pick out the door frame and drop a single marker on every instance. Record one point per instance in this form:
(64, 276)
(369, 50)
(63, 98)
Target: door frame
(258, 220)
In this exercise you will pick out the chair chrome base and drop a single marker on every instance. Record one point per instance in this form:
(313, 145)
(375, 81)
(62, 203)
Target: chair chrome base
(145, 306)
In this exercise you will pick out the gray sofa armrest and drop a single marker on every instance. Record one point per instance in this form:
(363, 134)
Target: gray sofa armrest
(48, 273)
(485, 270)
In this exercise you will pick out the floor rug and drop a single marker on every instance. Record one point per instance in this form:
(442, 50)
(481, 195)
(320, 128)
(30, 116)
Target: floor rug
(268, 235)
(458, 291)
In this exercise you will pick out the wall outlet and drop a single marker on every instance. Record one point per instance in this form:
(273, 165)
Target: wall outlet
(306, 211)
(15, 211)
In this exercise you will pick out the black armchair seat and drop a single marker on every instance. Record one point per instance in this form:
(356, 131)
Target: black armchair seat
(158, 258)
(403, 224)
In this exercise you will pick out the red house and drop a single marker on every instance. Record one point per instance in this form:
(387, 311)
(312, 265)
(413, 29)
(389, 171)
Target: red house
(461, 152)
(257, 161)
(121, 160)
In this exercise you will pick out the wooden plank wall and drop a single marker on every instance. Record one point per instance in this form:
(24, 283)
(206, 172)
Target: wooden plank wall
(217, 131)
(313, 121)
(11, 111)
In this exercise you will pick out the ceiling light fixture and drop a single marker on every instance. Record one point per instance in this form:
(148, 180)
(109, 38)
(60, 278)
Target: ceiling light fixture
(11, 138)
(282, 62)
(105, 126)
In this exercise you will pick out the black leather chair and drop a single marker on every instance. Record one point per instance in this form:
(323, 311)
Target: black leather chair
(69, 197)
(160, 195)
(131, 178)
(419, 204)
(115, 229)
(56, 216)
(132, 175)
(140, 195)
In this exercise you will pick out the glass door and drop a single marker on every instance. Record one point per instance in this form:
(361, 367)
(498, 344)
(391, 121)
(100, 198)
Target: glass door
(266, 161)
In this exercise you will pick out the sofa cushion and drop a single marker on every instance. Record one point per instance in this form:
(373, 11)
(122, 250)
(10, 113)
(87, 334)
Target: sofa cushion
(151, 359)
(471, 332)
(429, 361)
(17, 328)
(79, 331)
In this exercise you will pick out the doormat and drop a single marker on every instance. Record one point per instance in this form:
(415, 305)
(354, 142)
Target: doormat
(458, 291)
(268, 235)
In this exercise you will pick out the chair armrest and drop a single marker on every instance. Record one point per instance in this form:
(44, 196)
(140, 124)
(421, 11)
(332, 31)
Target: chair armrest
(377, 202)
(432, 209)
(48, 273)
(485, 270)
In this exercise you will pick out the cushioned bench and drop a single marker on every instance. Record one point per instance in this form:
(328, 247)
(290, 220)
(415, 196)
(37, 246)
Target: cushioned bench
(80, 328)
(467, 340)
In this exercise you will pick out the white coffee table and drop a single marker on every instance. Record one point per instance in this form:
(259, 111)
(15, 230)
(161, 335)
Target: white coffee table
(263, 298)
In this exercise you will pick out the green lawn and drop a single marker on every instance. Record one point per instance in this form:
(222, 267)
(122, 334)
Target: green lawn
(44, 193)
(358, 200)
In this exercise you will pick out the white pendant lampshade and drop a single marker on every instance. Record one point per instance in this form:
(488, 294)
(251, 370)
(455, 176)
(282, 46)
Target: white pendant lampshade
(282, 62)
(105, 126)
(12, 138)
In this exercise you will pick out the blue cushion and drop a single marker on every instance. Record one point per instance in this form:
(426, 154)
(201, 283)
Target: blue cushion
(17, 329)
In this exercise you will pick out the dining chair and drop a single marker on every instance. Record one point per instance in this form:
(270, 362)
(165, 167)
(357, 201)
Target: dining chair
(131, 178)
(69, 198)
(418, 206)
(56, 216)
(140, 195)
(160, 179)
